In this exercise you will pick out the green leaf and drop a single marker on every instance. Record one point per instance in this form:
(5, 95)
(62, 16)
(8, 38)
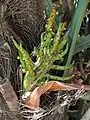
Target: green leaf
(28, 80)
(82, 43)
(86, 96)
(48, 7)
(75, 28)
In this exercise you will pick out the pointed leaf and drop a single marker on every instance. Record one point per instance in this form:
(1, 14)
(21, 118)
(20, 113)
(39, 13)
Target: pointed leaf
(82, 43)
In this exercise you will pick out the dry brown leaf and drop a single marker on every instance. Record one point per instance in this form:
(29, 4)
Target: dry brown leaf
(33, 101)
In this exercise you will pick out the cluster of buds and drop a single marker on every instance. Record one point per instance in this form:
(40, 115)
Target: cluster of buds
(50, 21)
